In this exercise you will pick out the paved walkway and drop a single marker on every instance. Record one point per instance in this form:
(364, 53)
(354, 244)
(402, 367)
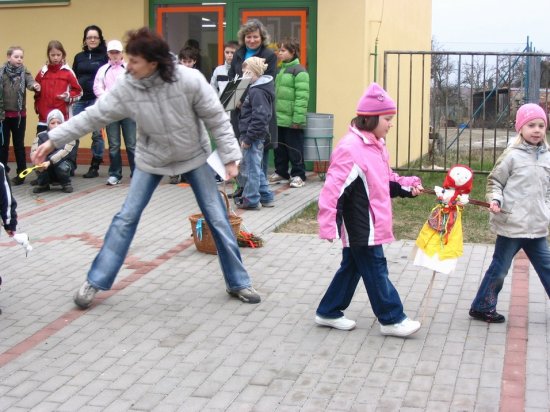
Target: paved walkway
(168, 338)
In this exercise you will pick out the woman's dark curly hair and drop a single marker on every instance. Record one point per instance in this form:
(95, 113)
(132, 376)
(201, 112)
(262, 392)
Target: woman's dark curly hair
(146, 43)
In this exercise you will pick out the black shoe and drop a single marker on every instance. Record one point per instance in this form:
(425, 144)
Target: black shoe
(236, 193)
(16, 180)
(92, 172)
(489, 317)
(41, 189)
(67, 188)
(34, 182)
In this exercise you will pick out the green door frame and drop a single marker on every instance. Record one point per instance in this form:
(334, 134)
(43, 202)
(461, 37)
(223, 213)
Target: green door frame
(233, 23)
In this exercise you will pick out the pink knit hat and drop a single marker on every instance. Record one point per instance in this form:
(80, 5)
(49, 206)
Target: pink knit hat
(528, 112)
(376, 102)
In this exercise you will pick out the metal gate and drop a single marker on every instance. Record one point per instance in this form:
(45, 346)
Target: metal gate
(466, 104)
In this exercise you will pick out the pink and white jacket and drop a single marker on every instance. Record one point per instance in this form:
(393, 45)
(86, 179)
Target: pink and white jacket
(107, 75)
(355, 201)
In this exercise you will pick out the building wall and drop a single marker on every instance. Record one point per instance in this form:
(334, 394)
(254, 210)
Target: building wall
(346, 30)
(32, 27)
(345, 58)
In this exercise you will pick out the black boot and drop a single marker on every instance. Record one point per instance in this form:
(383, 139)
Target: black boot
(94, 168)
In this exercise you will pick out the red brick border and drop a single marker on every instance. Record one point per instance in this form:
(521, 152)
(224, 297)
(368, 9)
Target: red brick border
(512, 393)
(141, 268)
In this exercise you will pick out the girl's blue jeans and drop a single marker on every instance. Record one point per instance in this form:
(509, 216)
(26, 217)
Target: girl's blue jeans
(369, 263)
(128, 127)
(505, 249)
(117, 241)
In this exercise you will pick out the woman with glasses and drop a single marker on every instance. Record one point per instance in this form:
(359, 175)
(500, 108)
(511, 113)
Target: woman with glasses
(86, 64)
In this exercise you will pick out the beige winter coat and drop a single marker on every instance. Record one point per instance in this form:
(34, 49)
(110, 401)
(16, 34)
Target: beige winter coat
(520, 181)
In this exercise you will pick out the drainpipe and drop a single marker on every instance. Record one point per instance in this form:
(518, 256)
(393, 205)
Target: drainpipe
(375, 58)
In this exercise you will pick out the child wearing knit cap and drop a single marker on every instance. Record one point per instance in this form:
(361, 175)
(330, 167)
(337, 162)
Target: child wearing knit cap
(355, 206)
(256, 113)
(59, 164)
(520, 183)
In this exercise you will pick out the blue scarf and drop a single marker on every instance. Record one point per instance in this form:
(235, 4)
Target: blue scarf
(250, 52)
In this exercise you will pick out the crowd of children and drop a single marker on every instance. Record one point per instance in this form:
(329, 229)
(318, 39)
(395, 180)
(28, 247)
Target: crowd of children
(355, 201)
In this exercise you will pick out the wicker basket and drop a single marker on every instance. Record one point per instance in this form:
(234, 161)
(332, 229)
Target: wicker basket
(205, 243)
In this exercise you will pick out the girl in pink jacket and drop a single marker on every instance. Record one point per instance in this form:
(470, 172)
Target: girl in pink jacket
(355, 206)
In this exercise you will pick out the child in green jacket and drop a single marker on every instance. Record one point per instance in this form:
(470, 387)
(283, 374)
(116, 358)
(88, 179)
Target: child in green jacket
(292, 98)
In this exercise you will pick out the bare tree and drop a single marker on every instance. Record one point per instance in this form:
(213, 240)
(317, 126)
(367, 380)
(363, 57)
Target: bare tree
(442, 69)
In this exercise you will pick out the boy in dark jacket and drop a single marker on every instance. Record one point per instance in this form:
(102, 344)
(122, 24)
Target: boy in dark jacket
(256, 113)
(60, 162)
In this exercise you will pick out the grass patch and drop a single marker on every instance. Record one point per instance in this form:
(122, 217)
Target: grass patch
(410, 214)
(305, 222)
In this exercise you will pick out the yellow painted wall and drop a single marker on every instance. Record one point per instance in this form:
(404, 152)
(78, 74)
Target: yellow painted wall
(346, 33)
(32, 27)
(345, 61)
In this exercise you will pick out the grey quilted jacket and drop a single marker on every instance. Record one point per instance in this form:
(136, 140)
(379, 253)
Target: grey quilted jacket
(170, 117)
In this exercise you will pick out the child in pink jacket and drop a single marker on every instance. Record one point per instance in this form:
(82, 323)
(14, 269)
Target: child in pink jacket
(355, 206)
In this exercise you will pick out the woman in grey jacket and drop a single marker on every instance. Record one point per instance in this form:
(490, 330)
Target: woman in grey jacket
(171, 105)
(519, 182)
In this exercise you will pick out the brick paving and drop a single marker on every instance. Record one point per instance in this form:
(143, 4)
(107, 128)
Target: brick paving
(168, 338)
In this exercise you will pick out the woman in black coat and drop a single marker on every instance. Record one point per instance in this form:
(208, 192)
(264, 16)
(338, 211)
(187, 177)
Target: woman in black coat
(85, 66)
(254, 38)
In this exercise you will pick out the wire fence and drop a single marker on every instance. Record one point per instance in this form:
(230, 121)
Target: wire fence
(459, 107)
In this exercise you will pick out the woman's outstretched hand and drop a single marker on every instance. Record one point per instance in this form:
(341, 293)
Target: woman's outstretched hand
(39, 156)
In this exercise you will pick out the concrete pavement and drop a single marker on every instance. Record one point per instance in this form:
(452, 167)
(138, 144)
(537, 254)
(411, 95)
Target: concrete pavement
(168, 338)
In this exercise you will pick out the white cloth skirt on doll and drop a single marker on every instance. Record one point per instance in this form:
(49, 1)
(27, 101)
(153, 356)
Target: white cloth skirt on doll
(436, 251)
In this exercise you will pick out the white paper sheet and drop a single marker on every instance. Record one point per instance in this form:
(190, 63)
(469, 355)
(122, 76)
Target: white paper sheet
(215, 162)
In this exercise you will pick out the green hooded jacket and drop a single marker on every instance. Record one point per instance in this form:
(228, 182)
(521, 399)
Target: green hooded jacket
(292, 91)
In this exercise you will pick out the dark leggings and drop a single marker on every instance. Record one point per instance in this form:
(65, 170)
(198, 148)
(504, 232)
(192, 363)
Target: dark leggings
(14, 127)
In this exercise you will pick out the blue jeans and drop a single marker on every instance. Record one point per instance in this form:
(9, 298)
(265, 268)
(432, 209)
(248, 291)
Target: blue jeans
(98, 145)
(117, 241)
(252, 178)
(128, 127)
(505, 249)
(369, 263)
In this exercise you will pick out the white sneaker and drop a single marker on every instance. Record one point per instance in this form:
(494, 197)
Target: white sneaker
(113, 181)
(404, 328)
(297, 181)
(275, 178)
(342, 323)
